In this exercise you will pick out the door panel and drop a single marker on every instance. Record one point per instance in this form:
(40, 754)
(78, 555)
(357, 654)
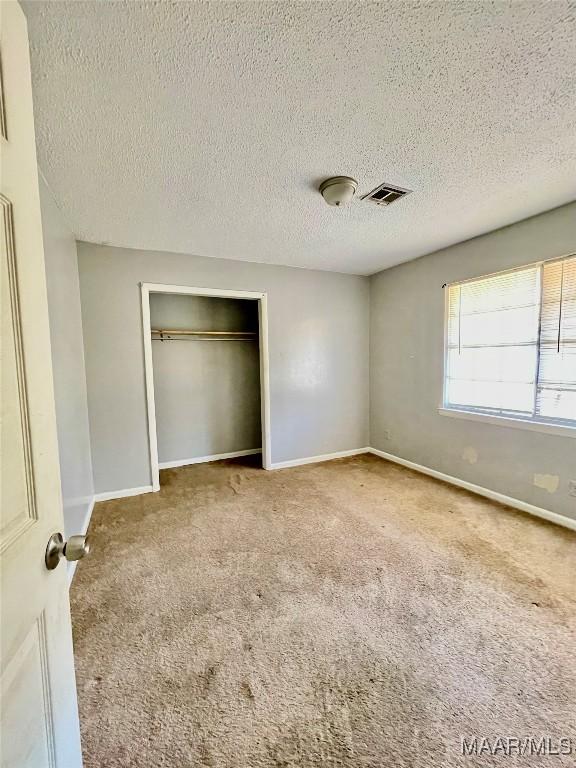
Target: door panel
(18, 511)
(26, 688)
(39, 717)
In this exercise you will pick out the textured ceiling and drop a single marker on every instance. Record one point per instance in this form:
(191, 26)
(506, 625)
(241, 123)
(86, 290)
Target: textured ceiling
(206, 128)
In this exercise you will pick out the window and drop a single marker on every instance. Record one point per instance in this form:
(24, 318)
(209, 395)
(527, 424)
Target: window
(511, 344)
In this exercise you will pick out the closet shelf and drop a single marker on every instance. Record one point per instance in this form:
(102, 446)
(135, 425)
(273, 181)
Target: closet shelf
(167, 334)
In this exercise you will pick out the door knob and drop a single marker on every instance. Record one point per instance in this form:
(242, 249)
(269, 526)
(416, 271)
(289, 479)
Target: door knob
(75, 548)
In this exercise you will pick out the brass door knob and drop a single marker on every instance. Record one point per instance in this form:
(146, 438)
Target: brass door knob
(75, 548)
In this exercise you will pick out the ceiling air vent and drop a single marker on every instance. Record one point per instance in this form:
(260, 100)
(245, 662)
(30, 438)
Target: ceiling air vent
(386, 194)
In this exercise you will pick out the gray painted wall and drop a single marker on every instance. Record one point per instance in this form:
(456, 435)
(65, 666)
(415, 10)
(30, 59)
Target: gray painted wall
(68, 364)
(318, 340)
(207, 393)
(406, 361)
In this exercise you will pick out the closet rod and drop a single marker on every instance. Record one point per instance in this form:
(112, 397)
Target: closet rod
(203, 338)
(166, 332)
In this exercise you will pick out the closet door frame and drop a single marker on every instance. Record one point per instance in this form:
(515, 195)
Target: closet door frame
(261, 298)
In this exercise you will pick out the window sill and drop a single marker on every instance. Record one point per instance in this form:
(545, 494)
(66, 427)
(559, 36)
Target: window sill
(505, 421)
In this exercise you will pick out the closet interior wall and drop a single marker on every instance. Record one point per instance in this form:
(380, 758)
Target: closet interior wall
(207, 388)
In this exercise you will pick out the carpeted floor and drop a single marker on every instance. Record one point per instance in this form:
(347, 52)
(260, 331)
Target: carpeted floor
(352, 613)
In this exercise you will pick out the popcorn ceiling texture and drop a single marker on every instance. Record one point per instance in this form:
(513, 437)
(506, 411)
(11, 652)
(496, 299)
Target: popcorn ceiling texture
(205, 128)
(352, 614)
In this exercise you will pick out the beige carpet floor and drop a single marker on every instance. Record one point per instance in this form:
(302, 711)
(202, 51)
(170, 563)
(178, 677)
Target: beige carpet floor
(351, 613)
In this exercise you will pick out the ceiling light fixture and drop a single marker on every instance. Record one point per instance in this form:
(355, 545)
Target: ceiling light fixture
(338, 190)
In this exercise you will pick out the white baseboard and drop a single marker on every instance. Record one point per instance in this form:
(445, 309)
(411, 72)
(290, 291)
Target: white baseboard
(87, 516)
(122, 493)
(77, 501)
(531, 509)
(71, 570)
(90, 501)
(205, 459)
(315, 459)
(546, 514)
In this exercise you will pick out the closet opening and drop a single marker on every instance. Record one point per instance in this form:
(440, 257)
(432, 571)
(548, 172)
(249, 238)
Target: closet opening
(206, 365)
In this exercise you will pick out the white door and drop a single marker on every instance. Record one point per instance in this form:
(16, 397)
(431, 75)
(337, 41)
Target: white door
(39, 716)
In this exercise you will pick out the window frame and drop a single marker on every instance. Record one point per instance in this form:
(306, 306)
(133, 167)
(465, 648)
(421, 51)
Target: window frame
(566, 428)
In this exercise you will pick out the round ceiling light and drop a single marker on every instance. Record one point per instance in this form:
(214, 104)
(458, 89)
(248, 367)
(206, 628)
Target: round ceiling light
(338, 190)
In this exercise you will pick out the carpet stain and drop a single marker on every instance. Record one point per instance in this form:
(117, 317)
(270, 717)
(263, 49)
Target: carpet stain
(351, 614)
(246, 689)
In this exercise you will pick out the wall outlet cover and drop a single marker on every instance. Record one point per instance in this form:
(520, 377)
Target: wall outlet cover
(572, 487)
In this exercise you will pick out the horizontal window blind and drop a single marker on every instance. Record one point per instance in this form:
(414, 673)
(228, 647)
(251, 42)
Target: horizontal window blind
(492, 343)
(556, 390)
(511, 343)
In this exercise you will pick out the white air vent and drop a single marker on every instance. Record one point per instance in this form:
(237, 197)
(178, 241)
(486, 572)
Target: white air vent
(386, 194)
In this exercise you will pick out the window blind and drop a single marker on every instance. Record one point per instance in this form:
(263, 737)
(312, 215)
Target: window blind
(556, 390)
(511, 343)
(492, 342)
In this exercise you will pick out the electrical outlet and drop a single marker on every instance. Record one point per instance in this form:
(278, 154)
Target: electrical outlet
(386, 434)
(572, 487)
